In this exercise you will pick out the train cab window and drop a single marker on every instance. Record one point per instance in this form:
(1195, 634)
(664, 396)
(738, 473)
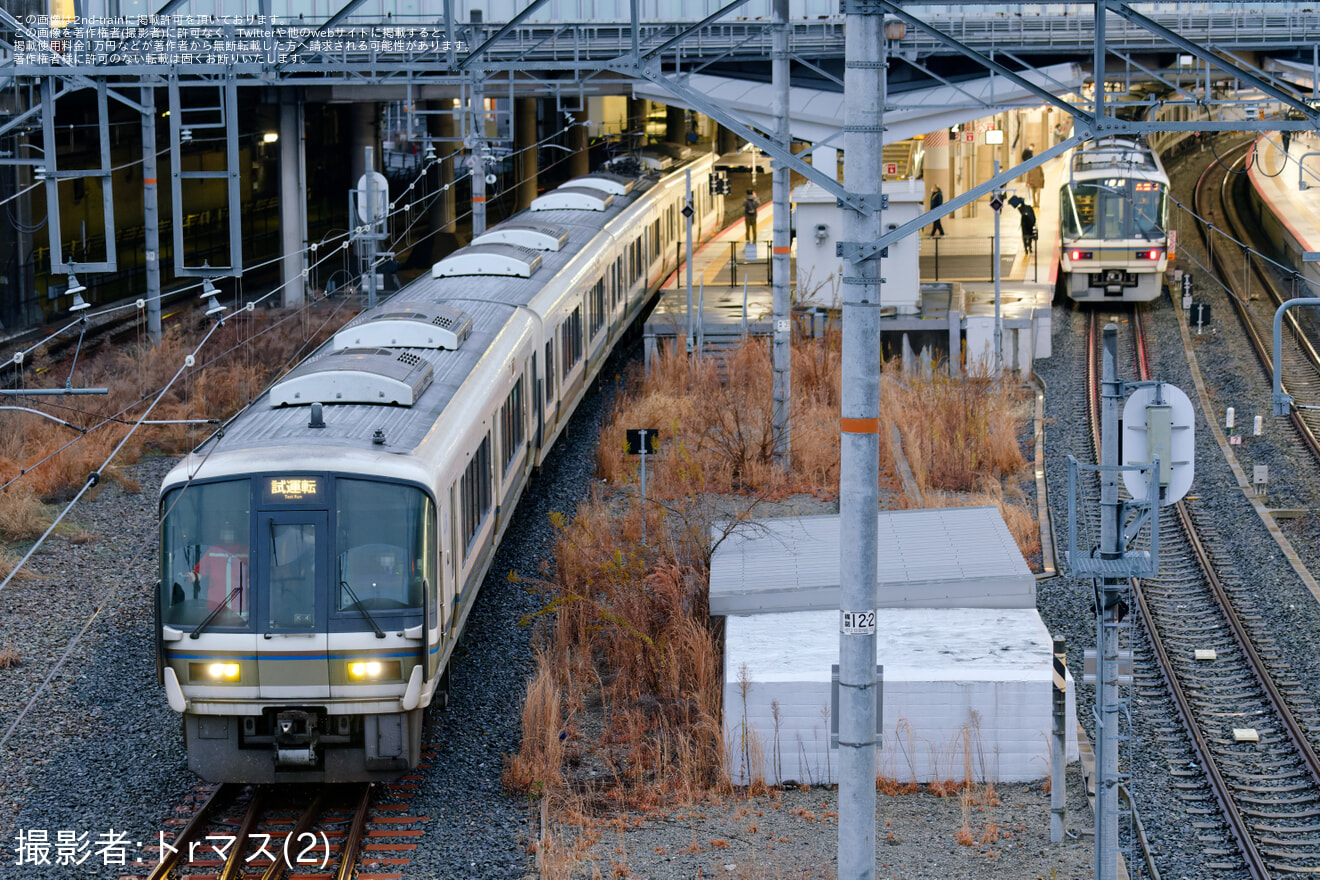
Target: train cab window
(292, 575)
(511, 425)
(1149, 209)
(206, 573)
(385, 552)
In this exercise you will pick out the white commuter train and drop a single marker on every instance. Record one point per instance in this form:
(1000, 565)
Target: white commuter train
(318, 559)
(1113, 222)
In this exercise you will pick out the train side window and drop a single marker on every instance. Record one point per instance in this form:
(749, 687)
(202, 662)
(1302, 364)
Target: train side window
(571, 340)
(549, 371)
(511, 425)
(476, 492)
(597, 307)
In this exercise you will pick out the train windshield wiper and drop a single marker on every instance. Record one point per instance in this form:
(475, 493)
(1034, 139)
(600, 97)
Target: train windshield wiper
(357, 603)
(223, 606)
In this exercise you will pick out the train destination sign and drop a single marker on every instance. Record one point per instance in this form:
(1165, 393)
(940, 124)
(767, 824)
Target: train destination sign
(292, 488)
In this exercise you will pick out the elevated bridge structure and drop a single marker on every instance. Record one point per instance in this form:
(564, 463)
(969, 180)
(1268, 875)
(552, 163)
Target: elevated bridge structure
(459, 68)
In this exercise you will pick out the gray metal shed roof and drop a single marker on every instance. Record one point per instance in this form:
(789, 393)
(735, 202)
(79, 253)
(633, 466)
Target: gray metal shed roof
(949, 557)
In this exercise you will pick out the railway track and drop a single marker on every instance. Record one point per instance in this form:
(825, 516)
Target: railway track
(273, 832)
(266, 837)
(1254, 793)
(1218, 193)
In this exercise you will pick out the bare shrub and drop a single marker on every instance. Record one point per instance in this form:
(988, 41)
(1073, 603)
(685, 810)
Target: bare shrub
(22, 515)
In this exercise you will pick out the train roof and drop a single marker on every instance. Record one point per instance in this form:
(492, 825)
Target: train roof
(1110, 155)
(481, 305)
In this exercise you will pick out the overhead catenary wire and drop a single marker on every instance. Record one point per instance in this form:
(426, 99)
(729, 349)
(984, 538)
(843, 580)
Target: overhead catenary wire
(95, 476)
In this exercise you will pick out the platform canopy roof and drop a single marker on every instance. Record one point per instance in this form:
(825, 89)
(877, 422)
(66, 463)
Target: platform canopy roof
(817, 115)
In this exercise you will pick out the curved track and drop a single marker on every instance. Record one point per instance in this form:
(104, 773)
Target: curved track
(1266, 790)
(1218, 194)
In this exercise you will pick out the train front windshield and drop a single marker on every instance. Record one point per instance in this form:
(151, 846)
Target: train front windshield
(235, 555)
(1114, 209)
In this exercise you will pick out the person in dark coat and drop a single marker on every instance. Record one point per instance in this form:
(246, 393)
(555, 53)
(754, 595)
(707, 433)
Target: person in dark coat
(1028, 222)
(936, 199)
(750, 206)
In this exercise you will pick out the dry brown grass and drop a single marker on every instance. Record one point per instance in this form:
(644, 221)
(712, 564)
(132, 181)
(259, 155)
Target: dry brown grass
(9, 658)
(22, 515)
(232, 369)
(627, 648)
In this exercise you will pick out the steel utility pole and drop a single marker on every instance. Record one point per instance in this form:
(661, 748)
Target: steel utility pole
(783, 327)
(371, 221)
(859, 472)
(477, 156)
(150, 212)
(999, 327)
(1111, 547)
(688, 210)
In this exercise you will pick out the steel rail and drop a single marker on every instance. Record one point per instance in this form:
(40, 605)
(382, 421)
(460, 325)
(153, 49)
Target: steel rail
(1260, 343)
(353, 842)
(169, 855)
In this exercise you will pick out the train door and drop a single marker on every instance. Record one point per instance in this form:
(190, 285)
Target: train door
(538, 404)
(453, 566)
(448, 555)
(293, 566)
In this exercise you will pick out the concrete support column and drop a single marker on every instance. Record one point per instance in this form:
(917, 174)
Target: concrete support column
(293, 202)
(637, 111)
(365, 118)
(675, 124)
(440, 126)
(827, 160)
(580, 162)
(524, 146)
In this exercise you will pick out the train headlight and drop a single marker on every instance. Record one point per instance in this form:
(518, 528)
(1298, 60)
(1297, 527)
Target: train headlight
(373, 670)
(1153, 254)
(220, 670)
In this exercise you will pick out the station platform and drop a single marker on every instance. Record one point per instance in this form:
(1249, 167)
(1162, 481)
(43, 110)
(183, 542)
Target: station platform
(1287, 191)
(732, 293)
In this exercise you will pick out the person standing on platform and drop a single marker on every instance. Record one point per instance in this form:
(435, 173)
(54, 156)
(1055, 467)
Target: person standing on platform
(1028, 223)
(750, 204)
(1028, 152)
(936, 199)
(1036, 182)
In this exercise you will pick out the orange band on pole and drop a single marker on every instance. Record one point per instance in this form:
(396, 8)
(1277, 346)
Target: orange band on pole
(478, 198)
(783, 250)
(860, 426)
(149, 180)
